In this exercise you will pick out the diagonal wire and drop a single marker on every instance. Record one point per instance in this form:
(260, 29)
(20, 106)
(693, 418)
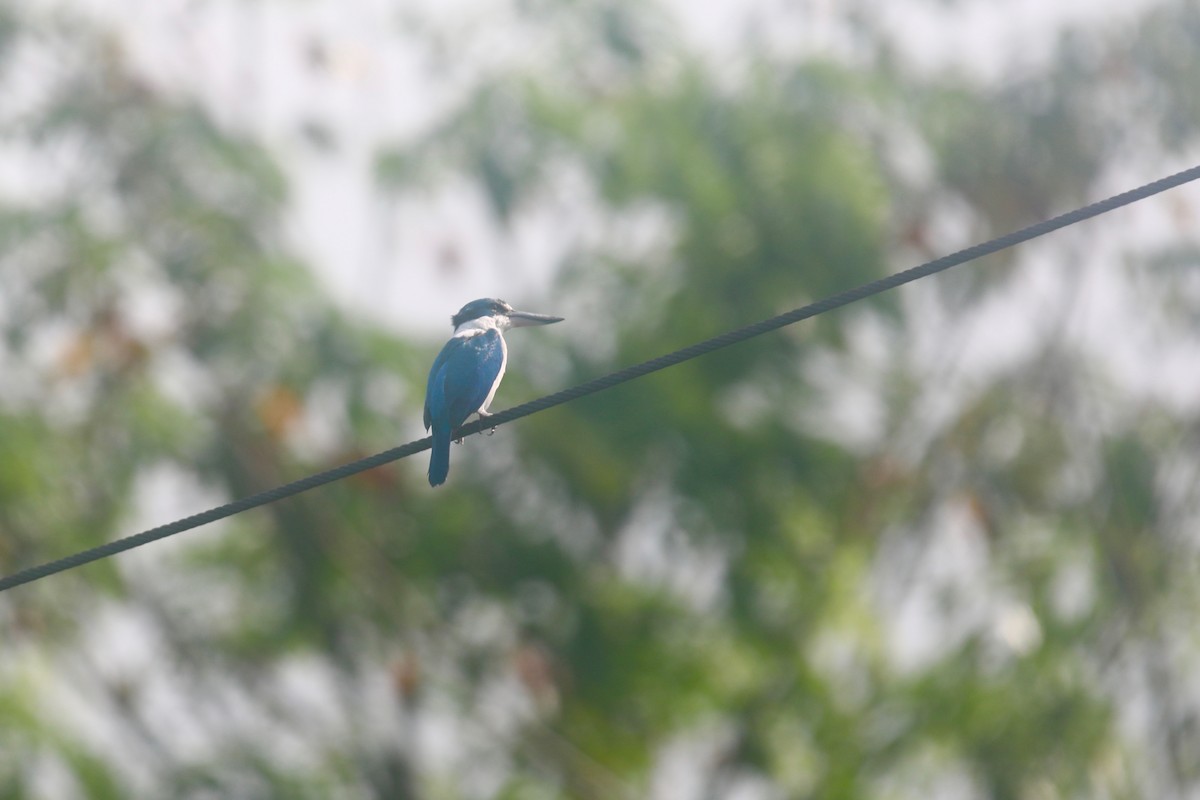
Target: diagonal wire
(608, 381)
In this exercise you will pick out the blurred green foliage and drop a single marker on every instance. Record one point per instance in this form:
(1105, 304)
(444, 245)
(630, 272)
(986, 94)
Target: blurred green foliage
(694, 563)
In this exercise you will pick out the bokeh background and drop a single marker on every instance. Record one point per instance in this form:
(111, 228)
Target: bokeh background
(939, 545)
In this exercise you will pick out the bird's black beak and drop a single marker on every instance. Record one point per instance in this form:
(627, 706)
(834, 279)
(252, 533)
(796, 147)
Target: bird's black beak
(522, 319)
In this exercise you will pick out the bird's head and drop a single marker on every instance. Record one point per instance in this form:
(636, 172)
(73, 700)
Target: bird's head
(491, 313)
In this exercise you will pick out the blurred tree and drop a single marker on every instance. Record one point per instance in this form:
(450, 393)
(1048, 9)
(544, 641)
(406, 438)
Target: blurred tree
(707, 573)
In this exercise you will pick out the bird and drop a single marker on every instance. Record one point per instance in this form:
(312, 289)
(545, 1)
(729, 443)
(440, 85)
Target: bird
(466, 373)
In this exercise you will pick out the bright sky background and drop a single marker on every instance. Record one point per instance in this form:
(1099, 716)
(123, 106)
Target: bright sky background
(251, 64)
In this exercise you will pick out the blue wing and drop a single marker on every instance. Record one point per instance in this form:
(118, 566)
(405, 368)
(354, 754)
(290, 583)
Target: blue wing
(462, 377)
(460, 380)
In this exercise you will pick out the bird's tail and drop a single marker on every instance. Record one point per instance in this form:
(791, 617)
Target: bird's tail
(439, 454)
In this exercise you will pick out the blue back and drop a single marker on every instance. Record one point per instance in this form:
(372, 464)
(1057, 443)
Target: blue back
(462, 377)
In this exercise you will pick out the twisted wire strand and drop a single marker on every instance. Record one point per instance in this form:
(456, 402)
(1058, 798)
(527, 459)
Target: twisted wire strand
(608, 381)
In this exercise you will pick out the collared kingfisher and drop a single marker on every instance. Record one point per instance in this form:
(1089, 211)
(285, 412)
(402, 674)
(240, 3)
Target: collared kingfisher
(465, 375)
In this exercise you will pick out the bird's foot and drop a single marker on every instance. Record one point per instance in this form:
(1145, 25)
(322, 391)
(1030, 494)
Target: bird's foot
(484, 415)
